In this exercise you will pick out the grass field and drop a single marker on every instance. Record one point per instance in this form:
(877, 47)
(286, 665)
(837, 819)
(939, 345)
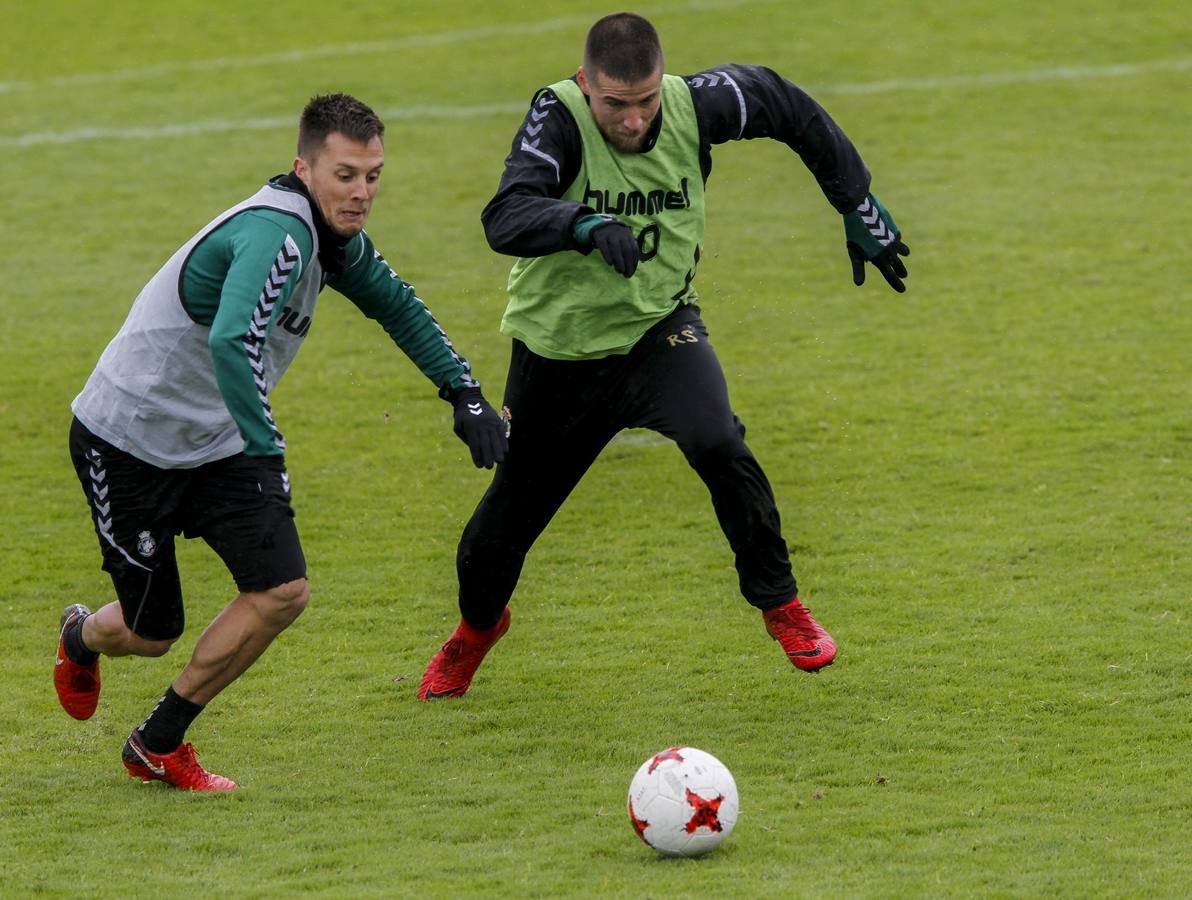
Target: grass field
(987, 480)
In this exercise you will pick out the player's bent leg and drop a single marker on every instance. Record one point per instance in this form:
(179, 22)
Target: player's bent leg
(83, 636)
(237, 636)
(451, 670)
(106, 632)
(278, 607)
(748, 515)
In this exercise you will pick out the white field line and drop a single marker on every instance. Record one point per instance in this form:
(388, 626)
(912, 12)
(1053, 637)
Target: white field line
(261, 123)
(424, 113)
(988, 79)
(357, 48)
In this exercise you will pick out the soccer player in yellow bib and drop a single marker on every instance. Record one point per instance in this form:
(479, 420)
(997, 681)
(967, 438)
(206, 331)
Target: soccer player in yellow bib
(602, 201)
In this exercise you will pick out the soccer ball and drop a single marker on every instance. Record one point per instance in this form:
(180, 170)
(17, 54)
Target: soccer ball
(683, 802)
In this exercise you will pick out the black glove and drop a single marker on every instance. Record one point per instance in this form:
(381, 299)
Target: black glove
(479, 426)
(871, 235)
(613, 238)
(616, 243)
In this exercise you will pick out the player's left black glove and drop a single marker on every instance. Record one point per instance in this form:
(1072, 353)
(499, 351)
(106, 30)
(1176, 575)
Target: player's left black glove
(479, 426)
(871, 235)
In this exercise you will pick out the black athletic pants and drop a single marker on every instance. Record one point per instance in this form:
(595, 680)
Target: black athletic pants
(563, 414)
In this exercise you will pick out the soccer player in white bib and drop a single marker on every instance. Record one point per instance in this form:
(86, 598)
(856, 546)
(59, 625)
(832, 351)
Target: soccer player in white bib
(174, 433)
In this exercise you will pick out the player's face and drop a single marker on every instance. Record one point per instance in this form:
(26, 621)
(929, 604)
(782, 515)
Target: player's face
(343, 178)
(623, 110)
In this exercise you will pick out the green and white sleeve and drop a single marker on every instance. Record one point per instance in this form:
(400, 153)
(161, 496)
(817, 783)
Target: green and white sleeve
(378, 291)
(261, 255)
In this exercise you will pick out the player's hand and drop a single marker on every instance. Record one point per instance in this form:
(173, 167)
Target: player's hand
(612, 237)
(480, 427)
(616, 243)
(872, 236)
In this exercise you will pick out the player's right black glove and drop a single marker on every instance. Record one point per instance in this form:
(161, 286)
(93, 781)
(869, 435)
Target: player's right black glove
(871, 235)
(613, 238)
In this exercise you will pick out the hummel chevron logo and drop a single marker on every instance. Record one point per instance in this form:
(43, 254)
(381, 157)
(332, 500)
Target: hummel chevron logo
(289, 255)
(287, 259)
(474, 409)
(872, 218)
(538, 116)
(709, 80)
(532, 130)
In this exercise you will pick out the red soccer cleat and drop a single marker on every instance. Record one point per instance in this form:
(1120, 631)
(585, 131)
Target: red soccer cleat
(77, 685)
(179, 769)
(807, 645)
(451, 669)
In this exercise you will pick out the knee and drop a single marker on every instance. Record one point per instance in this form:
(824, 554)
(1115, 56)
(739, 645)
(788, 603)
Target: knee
(107, 631)
(714, 449)
(285, 603)
(146, 647)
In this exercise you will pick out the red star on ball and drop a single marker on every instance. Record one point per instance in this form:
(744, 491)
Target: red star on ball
(707, 812)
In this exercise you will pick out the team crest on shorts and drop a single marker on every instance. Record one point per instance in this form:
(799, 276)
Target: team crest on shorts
(145, 544)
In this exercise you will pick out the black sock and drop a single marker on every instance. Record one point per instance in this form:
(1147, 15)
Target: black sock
(72, 642)
(163, 731)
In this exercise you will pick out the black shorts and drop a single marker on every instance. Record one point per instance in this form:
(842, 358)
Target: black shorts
(239, 505)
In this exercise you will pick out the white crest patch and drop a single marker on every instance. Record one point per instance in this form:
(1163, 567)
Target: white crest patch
(146, 546)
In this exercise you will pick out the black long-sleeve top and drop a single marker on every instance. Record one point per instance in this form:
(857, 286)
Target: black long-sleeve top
(732, 102)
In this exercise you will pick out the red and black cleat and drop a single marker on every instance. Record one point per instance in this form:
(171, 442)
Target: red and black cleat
(178, 769)
(450, 671)
(807, 645)
(77, 685)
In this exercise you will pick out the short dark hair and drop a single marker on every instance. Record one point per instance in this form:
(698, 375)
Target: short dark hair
(329, 113)
(623, 46)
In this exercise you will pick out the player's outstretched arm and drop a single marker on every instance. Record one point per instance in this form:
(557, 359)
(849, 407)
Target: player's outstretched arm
(381, 294)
